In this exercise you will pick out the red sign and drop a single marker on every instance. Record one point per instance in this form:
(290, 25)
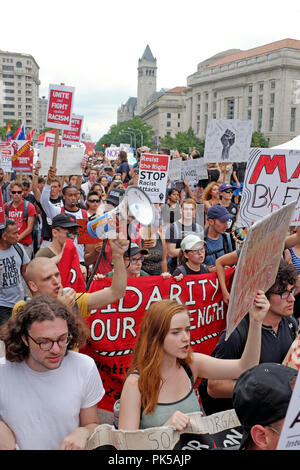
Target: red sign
(60, 103)
(22, 159)
(73, 135)
(2, 213)
(114, 328)
(50, 139)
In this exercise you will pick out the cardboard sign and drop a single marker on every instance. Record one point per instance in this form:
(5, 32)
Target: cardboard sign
(153, 176)
(175, 169)
(193, 170)
(258, 263)
(73, 135)
(271, 181)
(220, 430)
(59, 110)
(22, 159)
(227, 140)
(6, 152)
(68, 161)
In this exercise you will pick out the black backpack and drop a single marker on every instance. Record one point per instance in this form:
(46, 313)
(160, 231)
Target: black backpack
(225, 247)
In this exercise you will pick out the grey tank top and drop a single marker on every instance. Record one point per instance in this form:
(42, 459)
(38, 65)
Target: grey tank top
(164, 411)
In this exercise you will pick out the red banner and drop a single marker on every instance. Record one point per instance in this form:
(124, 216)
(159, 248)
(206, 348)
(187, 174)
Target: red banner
(69, 268)
(114, 328)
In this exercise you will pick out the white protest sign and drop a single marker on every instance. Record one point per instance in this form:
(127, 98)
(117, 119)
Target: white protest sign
(153, 176)
(193, 170)
(290, 434)
(271, 181)
(68, 161)
(175, 169)
(6, 152)
(112, 152)
(227, 140)
(258, 263)
(59, 110)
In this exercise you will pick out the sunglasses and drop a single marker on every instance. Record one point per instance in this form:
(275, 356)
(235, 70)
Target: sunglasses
(16, 192)
(228, 191)
(93, 200)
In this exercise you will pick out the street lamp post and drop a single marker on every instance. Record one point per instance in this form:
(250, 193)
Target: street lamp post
(138, 130)
(130, 135)
(133, 133)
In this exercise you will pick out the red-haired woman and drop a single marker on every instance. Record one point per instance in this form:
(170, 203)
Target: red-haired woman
(158, 390)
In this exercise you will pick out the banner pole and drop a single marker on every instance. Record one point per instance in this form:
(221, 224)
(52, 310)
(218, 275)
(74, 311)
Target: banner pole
(55, 148)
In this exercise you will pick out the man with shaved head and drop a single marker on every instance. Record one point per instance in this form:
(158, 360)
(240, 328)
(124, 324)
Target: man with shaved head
(43, 277)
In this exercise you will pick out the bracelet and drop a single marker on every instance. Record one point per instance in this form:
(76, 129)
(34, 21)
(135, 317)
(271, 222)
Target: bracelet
(36, 173)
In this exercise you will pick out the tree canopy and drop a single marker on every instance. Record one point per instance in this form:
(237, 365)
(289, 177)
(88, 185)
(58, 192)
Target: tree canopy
(133, 132)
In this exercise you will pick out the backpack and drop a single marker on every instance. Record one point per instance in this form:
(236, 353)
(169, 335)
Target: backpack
(225, 247)
(25, 208)
(20, 252)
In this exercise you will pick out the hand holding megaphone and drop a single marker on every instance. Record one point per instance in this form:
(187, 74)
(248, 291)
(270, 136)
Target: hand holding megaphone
(135, 205)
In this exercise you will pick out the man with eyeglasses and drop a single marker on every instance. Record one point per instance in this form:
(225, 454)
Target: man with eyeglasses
(23, 214)
(278, 332)
(133, 260)
(48, 392)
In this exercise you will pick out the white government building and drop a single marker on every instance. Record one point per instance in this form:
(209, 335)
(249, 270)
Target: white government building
(261, 84)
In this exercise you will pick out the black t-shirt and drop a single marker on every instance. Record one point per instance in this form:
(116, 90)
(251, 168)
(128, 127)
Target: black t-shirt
(124, 168)
(46, 227)
(240, 169)
(184, 269)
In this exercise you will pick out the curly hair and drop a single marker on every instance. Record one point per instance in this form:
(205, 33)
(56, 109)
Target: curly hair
(207, 190)
(286, 274)
(41, 308)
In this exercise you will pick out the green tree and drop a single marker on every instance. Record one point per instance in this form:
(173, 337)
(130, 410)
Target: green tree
(14, 124)
(259, 140)
(132, 132)
(183, 142)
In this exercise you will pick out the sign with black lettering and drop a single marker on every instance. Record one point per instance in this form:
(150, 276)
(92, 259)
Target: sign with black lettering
(271, 181)
(290, 434)
(153, 176)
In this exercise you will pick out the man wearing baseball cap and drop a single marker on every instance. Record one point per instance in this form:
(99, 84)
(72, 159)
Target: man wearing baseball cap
(226, 193)
(261, 398)
(63, 226)
(218, 242)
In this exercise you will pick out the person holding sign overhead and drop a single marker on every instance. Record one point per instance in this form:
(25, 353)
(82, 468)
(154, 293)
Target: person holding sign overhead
(158, 390)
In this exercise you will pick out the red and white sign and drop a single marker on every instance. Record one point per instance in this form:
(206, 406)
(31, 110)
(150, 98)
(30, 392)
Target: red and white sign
(50, 139)
(153, 176)
(59, 110)
(2, 214)
(73, 135)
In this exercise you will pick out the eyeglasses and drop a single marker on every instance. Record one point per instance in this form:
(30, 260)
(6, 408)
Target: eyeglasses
(228, 191)
(71, 234)
(274, 430)
(137, 260)
(16, 192)
(48, 344)
(198, 251)
(93, 200)
(285, 295)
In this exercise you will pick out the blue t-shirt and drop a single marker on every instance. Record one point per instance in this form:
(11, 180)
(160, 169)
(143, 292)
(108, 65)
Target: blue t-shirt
(215, 249)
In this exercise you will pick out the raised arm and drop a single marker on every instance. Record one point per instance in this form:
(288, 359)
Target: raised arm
(119, 281)
(226, 260)
(48, 207)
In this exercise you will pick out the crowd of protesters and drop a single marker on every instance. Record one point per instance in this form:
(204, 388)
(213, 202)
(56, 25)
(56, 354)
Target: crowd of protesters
(194, 232)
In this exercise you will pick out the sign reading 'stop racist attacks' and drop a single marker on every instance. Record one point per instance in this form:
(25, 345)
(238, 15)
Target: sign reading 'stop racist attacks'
(153, 176)
(60, 102)
(271, 182)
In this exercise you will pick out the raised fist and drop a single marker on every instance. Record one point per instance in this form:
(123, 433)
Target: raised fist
(227, 139)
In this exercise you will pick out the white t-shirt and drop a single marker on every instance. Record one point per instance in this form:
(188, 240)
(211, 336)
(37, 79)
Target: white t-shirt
(42, 408)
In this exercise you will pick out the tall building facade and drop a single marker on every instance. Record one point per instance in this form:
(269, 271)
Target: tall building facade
(43, 105)
(19, 89)
(258, 84)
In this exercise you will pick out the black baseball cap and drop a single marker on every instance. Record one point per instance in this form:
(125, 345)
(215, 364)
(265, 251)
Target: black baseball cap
(261, 395)
(134, 249)
(115, 196)
(64, 221)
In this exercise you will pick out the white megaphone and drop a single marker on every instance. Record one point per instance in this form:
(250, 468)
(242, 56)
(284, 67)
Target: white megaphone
(135, 205)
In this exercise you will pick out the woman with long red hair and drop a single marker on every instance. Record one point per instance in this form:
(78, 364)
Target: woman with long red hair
(158, 390)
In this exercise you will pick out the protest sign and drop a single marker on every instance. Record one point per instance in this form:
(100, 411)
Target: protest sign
(22, 158)
(290, 435)
(271, 181)
(192, 171)
(68, 163)
(49, 140)
(112, 152)
(59, 110)
(6, 152)
(220, 430)
(227, 140)
(258, 263)
(153, 176)
(114, 328)
(175, 169)
(73, 135)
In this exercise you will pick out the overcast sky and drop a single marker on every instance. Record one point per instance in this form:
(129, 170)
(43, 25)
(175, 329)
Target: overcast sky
(95, 45)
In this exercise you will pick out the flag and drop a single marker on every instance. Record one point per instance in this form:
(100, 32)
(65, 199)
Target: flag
(30, 135)
(8, 133)
(20, 132)
(69, 268)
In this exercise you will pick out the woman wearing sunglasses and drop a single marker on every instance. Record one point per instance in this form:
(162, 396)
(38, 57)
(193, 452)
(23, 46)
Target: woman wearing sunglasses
(93, 202)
